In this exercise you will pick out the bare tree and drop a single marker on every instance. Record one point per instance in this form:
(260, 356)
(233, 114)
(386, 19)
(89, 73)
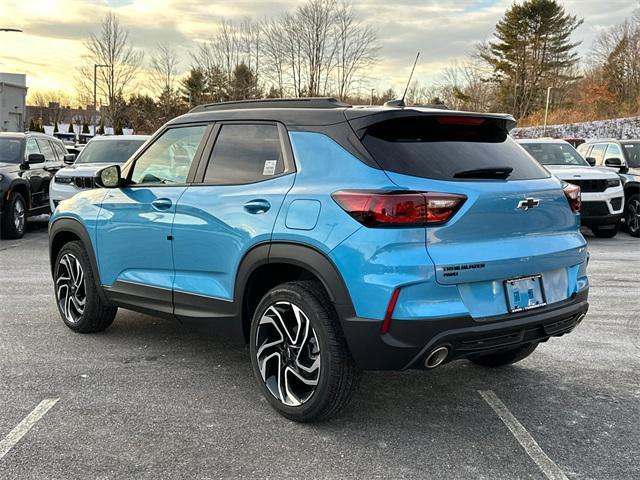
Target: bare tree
(356, 48)
(111, 47)
(164, 68)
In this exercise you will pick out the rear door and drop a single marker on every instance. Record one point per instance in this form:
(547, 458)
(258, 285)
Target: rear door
(510, 225)
(240, 187)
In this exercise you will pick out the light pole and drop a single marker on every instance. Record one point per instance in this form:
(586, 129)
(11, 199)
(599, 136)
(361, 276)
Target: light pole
(546, 111)
(371, 98)
(95, 110)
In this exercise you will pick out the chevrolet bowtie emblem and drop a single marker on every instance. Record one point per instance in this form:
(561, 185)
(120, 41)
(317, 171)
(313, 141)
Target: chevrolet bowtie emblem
(528, 203)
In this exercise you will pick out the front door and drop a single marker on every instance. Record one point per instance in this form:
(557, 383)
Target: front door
(134, 225)
(232, 206)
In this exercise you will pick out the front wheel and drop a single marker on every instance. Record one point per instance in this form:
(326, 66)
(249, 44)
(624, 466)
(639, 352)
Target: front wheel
(299, 355)
(14, 221)
(605, 232)
(79, 303)
(506, 357)
(632, 217)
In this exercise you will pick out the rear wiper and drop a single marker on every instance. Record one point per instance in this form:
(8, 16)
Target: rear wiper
(489, 172)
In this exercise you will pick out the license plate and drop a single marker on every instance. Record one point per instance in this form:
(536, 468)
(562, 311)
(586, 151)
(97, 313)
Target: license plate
(524, 293)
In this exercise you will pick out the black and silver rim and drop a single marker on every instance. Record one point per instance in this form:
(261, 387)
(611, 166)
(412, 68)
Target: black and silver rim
(70, 288)
(19, 217)
(633, 216)
(288, 353)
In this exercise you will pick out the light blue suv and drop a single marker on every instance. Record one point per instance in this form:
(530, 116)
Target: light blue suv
(333, 239)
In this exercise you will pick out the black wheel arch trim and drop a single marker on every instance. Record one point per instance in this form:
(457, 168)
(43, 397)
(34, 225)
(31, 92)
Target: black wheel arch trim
(22, 184)
(73, 226)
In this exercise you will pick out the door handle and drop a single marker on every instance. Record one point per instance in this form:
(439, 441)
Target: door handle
(257, 206)
(162, 203)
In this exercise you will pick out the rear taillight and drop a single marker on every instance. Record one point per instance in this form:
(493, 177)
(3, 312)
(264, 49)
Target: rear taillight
(399, 209)
(572, 192)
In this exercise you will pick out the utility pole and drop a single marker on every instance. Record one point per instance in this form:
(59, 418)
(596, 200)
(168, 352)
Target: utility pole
(371, 99)
(546, 111)
(95, 82)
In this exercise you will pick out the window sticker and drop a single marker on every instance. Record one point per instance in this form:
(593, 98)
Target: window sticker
(269, 167)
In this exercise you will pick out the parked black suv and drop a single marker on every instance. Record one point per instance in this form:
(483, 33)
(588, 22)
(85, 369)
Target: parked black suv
(28, 162)
(622, 156)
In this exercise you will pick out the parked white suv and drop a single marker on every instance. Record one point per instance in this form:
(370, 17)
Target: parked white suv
(602, 192)
(99, 152)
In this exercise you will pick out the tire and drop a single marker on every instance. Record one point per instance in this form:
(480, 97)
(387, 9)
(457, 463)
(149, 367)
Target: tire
(632, 215)
(608, 232)
(73, 282)
(14, 220)
(507, 357)
(320, 356)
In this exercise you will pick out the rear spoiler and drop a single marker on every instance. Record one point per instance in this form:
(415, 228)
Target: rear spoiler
(360, 120)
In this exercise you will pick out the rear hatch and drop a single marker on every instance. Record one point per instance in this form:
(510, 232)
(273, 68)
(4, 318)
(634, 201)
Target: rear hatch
(516, 220)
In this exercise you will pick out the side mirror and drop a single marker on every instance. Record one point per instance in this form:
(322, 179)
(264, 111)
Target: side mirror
(591, 161)
(109, 177)
(35, 158)
(69, 158)
(613, 162)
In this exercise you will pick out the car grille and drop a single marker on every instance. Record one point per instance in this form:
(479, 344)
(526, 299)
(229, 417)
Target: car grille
(590, 185)
(83, 182)
(594, 209)
(616, 203)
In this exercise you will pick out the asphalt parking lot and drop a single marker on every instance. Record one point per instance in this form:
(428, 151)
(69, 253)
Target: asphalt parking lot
(150, 399)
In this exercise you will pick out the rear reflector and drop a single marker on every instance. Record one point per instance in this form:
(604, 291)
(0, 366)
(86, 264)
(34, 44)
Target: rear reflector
(572, 192)
(386, 323)
(399, 209)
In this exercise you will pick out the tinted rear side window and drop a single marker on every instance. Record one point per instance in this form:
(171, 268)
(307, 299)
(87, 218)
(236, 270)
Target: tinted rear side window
(245, 154)
(439, 147)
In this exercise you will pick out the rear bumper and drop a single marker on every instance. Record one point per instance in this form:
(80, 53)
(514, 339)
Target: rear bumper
(409, 342)
(592, 221)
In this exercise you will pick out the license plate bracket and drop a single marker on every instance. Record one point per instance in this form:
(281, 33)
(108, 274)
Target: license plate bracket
(524, 293)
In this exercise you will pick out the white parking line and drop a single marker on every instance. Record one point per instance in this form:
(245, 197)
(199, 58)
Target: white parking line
(25, 425)
(548, 466)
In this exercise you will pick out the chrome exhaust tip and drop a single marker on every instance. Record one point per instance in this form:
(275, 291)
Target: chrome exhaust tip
(436, 357)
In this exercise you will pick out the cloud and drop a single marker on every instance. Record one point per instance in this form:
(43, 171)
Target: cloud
(443, 31)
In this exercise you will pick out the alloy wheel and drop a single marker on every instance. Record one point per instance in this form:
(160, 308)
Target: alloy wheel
(633, 216)
(288, 353)
(70, 288)
(19, 217)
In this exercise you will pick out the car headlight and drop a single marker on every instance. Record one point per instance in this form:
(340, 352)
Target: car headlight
(613, 182)
(66, 180)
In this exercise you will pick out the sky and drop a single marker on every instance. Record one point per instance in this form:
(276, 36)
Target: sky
(50, 50)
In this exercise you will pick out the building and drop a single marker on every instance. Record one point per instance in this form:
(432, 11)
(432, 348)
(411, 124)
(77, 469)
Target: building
(13, 92)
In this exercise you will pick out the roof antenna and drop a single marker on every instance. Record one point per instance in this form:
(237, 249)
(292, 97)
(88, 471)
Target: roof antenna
(400, 103)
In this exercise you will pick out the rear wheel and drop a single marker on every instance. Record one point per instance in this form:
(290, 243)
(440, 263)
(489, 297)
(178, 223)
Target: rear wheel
(79, 303)
(632, 217)
(299, 355)
(609, 231)
(507, 357)
(14, 220)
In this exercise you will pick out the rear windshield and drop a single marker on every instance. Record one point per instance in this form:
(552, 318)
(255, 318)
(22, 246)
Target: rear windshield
(633, 154)
(441, 147)
(555, 154)
(11, 150)
(109, 151)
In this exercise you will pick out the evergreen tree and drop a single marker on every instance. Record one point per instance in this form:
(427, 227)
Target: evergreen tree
(193, 88)
(244, 83)
(100, 128)
(70, 129)
(85, 128)
(32, 125)
(532, 51)
(55, 127)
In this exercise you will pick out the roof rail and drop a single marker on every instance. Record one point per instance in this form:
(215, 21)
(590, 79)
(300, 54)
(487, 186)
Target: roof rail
(309, 102)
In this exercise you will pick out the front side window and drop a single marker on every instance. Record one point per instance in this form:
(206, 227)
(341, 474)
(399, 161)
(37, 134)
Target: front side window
(169, 158)
(31, 147)
(597, 153)
(554, 154)
(245, 154)
(583, 150)
(613, 151)
(46, 149)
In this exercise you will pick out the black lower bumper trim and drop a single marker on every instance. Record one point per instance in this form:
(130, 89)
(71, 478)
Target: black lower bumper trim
(409, 342)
